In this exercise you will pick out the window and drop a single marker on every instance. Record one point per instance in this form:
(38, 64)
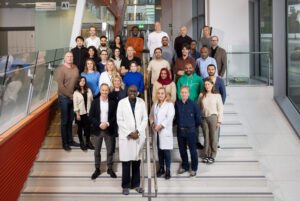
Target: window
(293, 51)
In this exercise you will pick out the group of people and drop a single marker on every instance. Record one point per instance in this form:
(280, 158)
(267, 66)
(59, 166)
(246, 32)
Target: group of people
(187, 91)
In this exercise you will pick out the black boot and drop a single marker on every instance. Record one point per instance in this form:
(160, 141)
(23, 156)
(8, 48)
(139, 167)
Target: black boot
(82, 146)
(199, 145)
(160, 172)
(96, 174)
(89, 145)
(168, 174)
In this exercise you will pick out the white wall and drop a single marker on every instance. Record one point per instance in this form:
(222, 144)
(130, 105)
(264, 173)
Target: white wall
(17, 17)
(177, 13)
(230, 21)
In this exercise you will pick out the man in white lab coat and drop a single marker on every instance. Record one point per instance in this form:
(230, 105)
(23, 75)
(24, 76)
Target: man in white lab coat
(132, 120)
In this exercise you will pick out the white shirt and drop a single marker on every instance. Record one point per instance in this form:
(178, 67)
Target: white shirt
(89, 42)
(106, 78)
(155, 66)
(154, 41)
(104, 111)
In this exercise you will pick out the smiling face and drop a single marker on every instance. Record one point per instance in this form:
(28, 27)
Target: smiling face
(130, 51)
(90, 65)
(79, 42)
(82, 82)
(184, 93)
(133, 67)
(110, 66)
(103, 56)
(92, 31)
(188, 69)
(91, 52)
(117, 52)
(208, 86)
(117, 40)
(117, 82)
(132, 92)
(204, 52)
(165, 41)
(103, 41)
(104, 91)
(158, 54)
(68, 58)
(183, 31)
(211, 70)
(185, 51)
(163, 74)
(214, 41)
(161, 95)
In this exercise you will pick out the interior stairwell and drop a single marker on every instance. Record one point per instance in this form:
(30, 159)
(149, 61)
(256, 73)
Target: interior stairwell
(65, 176)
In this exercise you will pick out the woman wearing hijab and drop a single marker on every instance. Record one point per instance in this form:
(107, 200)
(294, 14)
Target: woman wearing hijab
(165, 81)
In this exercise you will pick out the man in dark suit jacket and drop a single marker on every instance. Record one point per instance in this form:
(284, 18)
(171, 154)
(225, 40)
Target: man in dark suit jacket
(219, 54)
(103, 117)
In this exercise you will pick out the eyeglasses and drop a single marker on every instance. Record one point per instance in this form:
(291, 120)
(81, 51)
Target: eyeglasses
(214, 40)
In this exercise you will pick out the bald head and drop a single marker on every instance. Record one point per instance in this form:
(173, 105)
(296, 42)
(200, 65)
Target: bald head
(183, 31)
(157, 26)
(132, 92)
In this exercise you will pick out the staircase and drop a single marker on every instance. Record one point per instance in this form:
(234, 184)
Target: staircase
(65, 176)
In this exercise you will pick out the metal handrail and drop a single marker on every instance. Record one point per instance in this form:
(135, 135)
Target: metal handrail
(31, 85)
(253, 52)
(149, 195)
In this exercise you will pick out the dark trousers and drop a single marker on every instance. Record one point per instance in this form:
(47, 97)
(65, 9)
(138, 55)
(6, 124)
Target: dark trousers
(164, 156)
(108, 138)
(83, 125)
(187, 137)
(135, 177)
(67, 116)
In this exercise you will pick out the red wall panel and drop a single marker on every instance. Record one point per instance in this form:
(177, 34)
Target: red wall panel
(18, 152)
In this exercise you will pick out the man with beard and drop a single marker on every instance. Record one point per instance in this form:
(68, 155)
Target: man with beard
(136, 42)
(103, 46)
(168, 53)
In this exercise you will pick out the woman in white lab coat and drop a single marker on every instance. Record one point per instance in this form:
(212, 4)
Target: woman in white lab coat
(132, 120)
(161, 119)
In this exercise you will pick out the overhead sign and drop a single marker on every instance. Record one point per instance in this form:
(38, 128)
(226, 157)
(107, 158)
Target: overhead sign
(65, 5)
(141, 25)
(45, 6)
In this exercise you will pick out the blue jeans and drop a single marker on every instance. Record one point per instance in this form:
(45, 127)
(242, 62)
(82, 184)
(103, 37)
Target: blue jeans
(188, 137)
(67, 116)
(164, 156)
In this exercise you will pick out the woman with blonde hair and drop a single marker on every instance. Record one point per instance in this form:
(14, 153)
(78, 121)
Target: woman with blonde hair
(92, 76)
(161, 120)
(107, 75)
(211, 105)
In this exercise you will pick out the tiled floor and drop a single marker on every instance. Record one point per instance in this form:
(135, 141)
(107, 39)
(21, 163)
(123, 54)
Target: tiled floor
(274, 140)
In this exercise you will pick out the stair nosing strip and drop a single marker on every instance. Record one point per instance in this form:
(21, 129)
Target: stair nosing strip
(159, 193)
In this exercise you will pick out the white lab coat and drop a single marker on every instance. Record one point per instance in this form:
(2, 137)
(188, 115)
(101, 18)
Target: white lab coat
(129, 149)
(165, 118)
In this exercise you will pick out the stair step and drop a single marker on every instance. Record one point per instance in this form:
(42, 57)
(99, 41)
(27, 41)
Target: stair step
(109, 185)
(78, 155)
(135, 197)
(228, 141)
(85, 169)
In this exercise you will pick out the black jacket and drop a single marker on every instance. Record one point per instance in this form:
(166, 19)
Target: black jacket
(118, 96)
(94, 115)
(79, 55)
